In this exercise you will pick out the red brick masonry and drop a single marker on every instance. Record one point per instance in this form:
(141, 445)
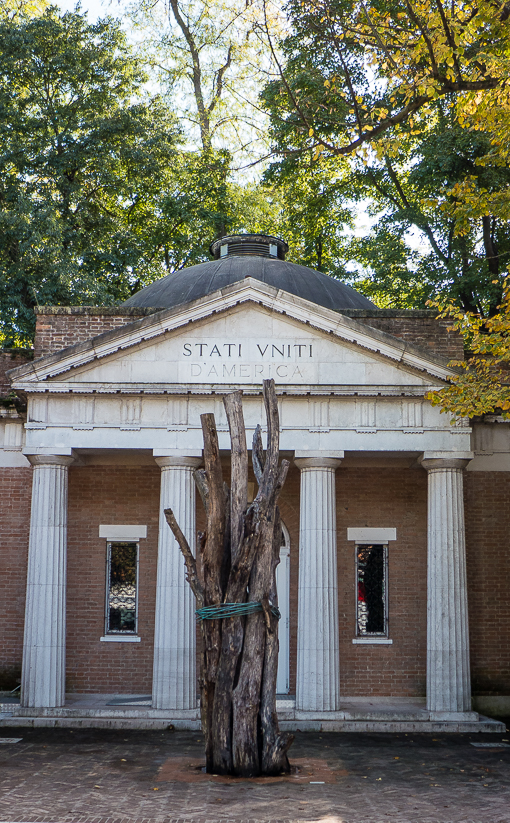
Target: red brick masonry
(61, 326)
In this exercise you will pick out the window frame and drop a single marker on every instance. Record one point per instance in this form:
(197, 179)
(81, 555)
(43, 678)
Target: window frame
(372, 637)
(109, 633)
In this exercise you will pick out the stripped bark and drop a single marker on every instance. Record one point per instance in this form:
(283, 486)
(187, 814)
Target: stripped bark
(236, 563)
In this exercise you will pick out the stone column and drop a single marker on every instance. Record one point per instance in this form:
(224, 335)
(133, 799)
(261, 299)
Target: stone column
(174, 673)
(44, 650)
(448, 672)
(318, 669)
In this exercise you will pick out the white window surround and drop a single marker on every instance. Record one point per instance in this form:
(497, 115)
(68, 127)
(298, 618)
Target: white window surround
(369, 641)
(366, 535)
(371, 535)
(118, 638)
(123, 534)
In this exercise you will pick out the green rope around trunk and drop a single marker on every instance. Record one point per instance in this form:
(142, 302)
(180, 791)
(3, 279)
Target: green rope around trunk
(232, 610)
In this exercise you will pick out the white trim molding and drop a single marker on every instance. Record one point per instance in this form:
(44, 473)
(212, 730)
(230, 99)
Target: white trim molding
(372, 641)
(123, 534)
(371, 535)
(119, 638)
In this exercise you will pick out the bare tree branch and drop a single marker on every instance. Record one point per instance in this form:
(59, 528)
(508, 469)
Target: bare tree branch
(191, 565)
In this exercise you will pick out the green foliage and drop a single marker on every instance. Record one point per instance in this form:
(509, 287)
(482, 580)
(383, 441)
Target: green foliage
(16, 9)
(361, 90)
(389, 273)
(356, 72)
(482, 385)
(310, 198)
(412, 191)
(83, 155)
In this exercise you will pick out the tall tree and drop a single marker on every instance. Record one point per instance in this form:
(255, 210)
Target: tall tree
(354, 72)
(213, 58)
(83, 154)
(311, 210)
(413, 98)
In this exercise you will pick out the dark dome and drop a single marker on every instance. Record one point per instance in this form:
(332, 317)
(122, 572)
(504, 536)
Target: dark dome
(240, 258)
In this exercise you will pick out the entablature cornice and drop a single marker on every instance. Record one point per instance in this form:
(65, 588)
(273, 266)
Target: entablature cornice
(215, 389)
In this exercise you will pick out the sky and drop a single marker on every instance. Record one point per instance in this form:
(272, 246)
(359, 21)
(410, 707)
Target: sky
(94, 8)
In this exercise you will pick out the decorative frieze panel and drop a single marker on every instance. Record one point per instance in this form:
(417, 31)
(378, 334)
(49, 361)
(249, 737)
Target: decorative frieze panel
(13, 436)
(412, 415)
(38, 412)
(130, 413)
(84, 413)
(172, 421)
(365, 416)
(177, 413)
(318, 415)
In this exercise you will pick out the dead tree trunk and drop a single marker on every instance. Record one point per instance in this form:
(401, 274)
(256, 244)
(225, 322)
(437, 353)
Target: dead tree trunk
(234, 582)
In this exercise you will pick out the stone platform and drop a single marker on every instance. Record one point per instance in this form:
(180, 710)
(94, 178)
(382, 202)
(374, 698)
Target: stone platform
(357, 714)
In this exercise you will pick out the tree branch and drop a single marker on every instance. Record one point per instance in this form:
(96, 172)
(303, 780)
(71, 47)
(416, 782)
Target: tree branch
(423, 224)
(204, 122)
(191, 564)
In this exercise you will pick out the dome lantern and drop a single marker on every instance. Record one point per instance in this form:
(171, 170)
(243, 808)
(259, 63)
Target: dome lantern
(253, 245)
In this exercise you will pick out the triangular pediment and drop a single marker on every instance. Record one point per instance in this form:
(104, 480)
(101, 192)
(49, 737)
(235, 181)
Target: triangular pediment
(237, 336)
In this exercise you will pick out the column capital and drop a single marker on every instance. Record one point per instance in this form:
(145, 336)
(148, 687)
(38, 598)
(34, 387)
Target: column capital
(180, 461)
(50, 459)
(431, 460)
(318, 459)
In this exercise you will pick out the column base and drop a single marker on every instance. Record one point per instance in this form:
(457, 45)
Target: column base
(459, 716)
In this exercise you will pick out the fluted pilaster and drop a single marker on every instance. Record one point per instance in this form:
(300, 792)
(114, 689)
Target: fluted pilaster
(43, 674)
(174, 673)
(448, 671)
(318, 666)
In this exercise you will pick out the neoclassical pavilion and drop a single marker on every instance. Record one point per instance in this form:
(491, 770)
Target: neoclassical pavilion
(373, 581)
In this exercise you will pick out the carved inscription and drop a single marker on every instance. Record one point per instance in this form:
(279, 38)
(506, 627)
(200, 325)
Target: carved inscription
(219, 361)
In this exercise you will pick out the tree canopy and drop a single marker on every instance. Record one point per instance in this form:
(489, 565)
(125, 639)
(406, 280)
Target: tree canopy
(414, 99)
(117, 161)
(83, 154)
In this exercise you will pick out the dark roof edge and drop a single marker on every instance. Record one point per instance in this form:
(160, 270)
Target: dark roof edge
(107, 311)
(138, 311)
(389, 312)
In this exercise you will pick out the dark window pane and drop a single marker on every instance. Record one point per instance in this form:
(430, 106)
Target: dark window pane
(121, 607)
(371, 578)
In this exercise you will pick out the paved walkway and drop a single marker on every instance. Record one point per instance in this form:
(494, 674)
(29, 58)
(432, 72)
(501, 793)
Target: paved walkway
(96, 776)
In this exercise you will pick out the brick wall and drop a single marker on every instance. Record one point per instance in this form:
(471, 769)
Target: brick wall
(385, 498)
(61, 326)
(420, 328)
(15, 492)
(487, 496)
(10, 359)
(110, 495)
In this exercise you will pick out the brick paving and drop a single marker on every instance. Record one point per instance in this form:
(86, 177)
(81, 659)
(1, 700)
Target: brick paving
(99, 776)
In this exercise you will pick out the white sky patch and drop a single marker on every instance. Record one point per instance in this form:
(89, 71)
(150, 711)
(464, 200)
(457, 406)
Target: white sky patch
(94, 8)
